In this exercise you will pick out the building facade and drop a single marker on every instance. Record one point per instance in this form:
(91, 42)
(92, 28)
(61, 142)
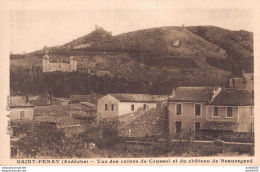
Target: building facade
(187, 108)
(232, 111)
(58, 65)
(213, 111)
(83, 111)
(113, 105)
(21, 109)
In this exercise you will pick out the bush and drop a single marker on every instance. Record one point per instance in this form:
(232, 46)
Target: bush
(104, 134)
(41, 139)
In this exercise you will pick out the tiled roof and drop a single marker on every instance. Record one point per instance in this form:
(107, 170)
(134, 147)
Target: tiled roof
(40, 100)
(92, 98)
(80, 98)
(56, 114)
(233, 97)
(88, 104)
(124, 97)
(19, 101)
(80, 106)
(84, 116)
(199, 94)
(220, 126)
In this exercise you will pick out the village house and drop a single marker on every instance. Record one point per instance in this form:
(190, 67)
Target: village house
(230, 111)
(83, 111)
(59, 101)
(21, 111)
(58, 65)
(187, 108)
(118, 104)
(245, 82)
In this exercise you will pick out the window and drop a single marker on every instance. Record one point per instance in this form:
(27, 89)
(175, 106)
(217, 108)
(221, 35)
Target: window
(252, 111)
(144, 106)
(112, 107)
(22, 116)
(197, 109)
(132, 107)
(215, 111)
(178, 126)
(105, 106)
(197, 127)
(178, 109)
(229, 112)
(252, 128)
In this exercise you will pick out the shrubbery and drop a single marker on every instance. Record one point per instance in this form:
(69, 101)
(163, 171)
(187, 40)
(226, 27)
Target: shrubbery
(45, 140)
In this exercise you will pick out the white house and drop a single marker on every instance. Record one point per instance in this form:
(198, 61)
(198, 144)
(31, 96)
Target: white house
(118, 104)
(21, 109)
(58, 65)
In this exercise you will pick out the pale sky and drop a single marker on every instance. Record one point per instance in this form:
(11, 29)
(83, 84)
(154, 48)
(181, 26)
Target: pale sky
(30, 30)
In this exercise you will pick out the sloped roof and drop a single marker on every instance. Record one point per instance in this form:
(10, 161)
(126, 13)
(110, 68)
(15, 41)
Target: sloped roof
(145, 123)
(197, 94)
(233, 97)
(80, 98)
(80, 106)
(219, 126)
(88, 104)
(124, 97)
(56, 114)
(40, 100)
(92, 98)
(19, 101)
(84, 116)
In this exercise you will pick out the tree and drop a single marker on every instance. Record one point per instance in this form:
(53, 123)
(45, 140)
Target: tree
(41, 139)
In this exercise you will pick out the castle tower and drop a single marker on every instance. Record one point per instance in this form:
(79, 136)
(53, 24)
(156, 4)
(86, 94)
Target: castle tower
(45, 63)
(73, 64)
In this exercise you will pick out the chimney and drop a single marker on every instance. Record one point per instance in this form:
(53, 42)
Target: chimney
(211, 95)
(214, 93)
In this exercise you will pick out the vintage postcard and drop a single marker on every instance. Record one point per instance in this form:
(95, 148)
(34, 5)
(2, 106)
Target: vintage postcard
(129, 83)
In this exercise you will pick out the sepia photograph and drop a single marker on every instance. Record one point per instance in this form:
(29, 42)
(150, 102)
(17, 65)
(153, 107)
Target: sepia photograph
(131, 83)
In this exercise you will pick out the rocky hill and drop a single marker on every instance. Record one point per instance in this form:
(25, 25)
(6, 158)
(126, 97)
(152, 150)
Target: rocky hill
(157, 58)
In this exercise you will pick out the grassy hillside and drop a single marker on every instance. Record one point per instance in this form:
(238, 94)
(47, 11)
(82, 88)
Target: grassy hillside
(237, 44)
(155, 60)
